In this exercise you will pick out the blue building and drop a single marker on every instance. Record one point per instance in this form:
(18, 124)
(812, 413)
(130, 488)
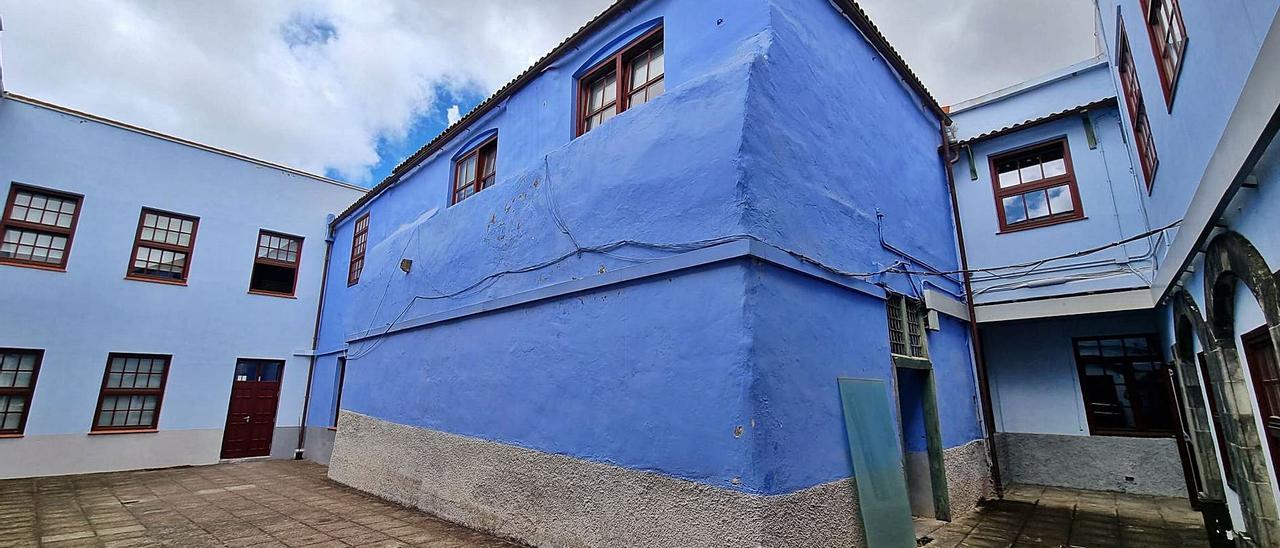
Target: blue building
(610, 305)
(159, 295)
(1119, 224)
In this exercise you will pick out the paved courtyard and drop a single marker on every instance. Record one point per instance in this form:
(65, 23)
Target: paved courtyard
(1049, 517)
(259, 503)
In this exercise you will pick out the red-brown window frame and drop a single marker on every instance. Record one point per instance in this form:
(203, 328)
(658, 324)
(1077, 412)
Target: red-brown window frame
(1131, 86)
(189, 249)
(28, 392)
(296, 265)
(1151, 13)
(618, 63)
(486, 150)
(103, 392)
(1141, 429)
(1069, 178)
(69, 233)
(358, 246)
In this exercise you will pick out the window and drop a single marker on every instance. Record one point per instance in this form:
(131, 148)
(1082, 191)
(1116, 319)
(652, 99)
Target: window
(906, 327)
(1035, 187)
(1168, 41)
(1264, 370)
(132, 390)
(162, 248)
(250, 370)
(1125, 386)
(18, 371)
(38, 225)
(358, 242)
(1142, 139)
(475, 171)
(342, 379)
(602, 94)
(275, 265)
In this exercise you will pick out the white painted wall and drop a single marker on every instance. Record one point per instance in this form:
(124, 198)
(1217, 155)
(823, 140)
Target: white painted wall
(80, 315)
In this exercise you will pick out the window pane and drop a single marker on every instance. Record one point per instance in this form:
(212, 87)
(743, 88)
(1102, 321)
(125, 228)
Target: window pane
(1060, 199)
(658, 65)
(1030, 171)
(1014, 209)
(640, 71)
(1009, 178)
(1055, 168)
(1037, 204)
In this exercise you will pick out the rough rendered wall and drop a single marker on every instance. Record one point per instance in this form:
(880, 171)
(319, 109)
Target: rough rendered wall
(1098, 463)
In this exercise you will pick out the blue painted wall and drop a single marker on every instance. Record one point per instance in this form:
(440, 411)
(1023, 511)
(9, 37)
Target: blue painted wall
(1223, 42)
(1111, 194)
(657, 374)
(79, 316)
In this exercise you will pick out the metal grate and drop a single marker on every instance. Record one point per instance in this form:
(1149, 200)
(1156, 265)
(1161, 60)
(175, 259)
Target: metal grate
(906, 327)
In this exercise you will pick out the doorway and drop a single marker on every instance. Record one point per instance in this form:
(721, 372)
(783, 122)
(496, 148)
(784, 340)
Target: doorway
(251, 414)
(922, 442)
(1265, 372)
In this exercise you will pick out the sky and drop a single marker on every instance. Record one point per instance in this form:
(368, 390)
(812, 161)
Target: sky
(350, 89)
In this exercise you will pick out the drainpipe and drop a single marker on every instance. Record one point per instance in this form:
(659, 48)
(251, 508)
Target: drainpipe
(315, 339)
(979, 356)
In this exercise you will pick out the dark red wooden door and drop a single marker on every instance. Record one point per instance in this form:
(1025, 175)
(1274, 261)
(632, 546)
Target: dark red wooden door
(1266, 386)
(251, 415)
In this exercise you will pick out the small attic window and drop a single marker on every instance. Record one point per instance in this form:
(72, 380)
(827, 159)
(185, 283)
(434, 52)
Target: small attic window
(633, 76)
(476, 171)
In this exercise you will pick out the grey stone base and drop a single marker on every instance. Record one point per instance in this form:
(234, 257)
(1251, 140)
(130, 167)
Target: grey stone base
(319, 445)
(551, 500)
(1144, 466)
(968, 476)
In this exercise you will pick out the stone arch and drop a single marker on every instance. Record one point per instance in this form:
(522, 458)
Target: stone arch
(1188, 323)
(1229, 260)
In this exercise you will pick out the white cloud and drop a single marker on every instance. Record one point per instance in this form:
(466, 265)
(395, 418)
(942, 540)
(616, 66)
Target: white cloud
(316, 84)
(454, 114)
(313, 84)
(965, 49)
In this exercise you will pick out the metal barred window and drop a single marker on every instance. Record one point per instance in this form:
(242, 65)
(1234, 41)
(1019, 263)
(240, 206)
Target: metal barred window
(163, 245)
(37, 227)
(1137, 106)
(18, 371)
(132, 391)
(906, 327)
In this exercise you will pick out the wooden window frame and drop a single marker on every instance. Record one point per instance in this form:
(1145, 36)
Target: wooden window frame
(104, 391)
(486, 150)
(1257, 346)
(1081, 362)
(358, 247)
(27, 392)
(620, 64)
(1131, 87)
(257, 260)
(69, 233)
(189, 249)
(1158, 35)
(1068, 178)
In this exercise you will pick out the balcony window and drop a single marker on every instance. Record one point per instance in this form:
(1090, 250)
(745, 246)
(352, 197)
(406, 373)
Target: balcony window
(275, 264)
(604, 94)
(1035, 187)
(37, 227)
(476, 171)
(163, 246)
(132, 391)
